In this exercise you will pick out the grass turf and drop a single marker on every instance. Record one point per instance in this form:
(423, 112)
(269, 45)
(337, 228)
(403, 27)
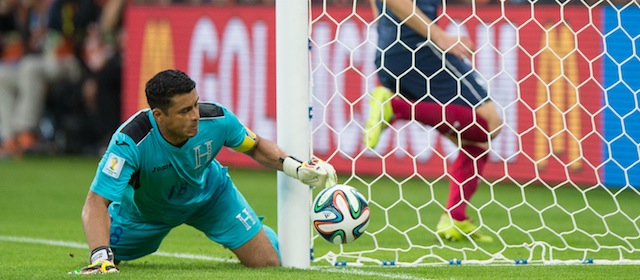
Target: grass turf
(41, 233)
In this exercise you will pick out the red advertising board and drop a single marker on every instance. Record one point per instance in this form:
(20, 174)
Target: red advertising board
(542, 68)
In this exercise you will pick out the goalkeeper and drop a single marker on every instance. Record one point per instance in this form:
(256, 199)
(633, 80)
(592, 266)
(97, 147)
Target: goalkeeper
(160, 171)
(436, 89)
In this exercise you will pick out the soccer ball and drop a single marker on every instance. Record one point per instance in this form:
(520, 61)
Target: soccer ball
(340, 214)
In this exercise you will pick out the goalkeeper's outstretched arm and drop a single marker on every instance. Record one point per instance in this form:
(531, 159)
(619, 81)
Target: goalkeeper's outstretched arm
(96, 223)
(315, 172)
(95, 220)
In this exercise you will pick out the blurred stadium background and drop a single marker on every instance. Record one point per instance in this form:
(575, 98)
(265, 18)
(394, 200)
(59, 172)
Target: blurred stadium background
(564, 74)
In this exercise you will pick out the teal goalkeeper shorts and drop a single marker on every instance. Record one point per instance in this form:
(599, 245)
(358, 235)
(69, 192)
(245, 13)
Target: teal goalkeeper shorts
(226, 219)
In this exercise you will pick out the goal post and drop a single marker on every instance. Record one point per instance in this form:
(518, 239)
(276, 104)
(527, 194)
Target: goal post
(561, 184)
(292, 100)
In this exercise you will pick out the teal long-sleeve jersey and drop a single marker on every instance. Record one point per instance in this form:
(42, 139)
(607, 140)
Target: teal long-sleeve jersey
(156, 181)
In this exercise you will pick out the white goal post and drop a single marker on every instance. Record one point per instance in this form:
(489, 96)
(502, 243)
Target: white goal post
(562, 181)
(292, 87)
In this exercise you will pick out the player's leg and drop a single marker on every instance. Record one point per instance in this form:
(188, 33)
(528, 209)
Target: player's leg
(131, 239)
(229, 220)
(489, 113)
(458, 106)
(258, 251)
(466, 170)
(471, 132)
(31, 99)
(456, 122)
(465, 117)
(434, 102)
(257, 246)
(273, 238)
(459, 123)
(464, 179)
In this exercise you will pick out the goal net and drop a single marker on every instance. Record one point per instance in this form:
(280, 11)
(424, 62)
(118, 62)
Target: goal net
(561, 182)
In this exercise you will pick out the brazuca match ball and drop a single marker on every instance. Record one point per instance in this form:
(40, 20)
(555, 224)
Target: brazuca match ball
(340, 214)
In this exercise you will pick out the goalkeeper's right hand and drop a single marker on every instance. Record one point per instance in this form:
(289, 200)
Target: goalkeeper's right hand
(102, 261)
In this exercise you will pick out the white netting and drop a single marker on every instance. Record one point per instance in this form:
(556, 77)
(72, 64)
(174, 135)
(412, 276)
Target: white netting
(561, 182)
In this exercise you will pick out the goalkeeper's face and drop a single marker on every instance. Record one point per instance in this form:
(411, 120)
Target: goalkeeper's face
(180, 121)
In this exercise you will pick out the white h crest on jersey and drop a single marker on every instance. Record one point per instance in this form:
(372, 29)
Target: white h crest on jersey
(199, 154)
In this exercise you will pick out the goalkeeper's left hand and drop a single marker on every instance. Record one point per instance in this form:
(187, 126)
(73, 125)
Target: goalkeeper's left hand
(102, 261)
(98, 267)
(315, 172)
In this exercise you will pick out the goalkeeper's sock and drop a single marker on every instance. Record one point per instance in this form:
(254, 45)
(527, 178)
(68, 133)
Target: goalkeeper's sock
(464, 180)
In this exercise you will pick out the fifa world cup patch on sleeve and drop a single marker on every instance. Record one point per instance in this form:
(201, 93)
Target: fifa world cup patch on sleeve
(113, 166)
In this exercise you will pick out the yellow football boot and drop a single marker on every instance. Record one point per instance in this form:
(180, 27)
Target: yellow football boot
(380, 114)
(459, 230)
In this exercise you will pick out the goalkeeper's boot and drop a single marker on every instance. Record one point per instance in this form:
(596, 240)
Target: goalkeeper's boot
(380, 114)
(459, 230)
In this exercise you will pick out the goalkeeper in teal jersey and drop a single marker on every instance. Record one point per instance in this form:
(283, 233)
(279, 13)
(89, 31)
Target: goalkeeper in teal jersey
(159, 171)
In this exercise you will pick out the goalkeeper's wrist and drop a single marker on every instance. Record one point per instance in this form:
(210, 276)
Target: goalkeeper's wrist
(290, 166)
(101, 253)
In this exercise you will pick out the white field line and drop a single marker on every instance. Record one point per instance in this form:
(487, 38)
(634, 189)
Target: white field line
(368, 273)
(77, 245)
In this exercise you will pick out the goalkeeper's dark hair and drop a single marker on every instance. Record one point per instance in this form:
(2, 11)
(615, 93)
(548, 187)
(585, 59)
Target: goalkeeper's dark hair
(165, 85)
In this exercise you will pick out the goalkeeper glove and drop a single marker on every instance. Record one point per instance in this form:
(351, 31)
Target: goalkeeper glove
(315, 172)
(102, 261)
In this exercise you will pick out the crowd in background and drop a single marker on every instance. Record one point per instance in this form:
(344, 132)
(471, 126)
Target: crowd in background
(60, 69)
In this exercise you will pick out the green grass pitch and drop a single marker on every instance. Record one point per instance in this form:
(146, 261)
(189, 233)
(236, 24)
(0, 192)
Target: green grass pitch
(41, 233)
